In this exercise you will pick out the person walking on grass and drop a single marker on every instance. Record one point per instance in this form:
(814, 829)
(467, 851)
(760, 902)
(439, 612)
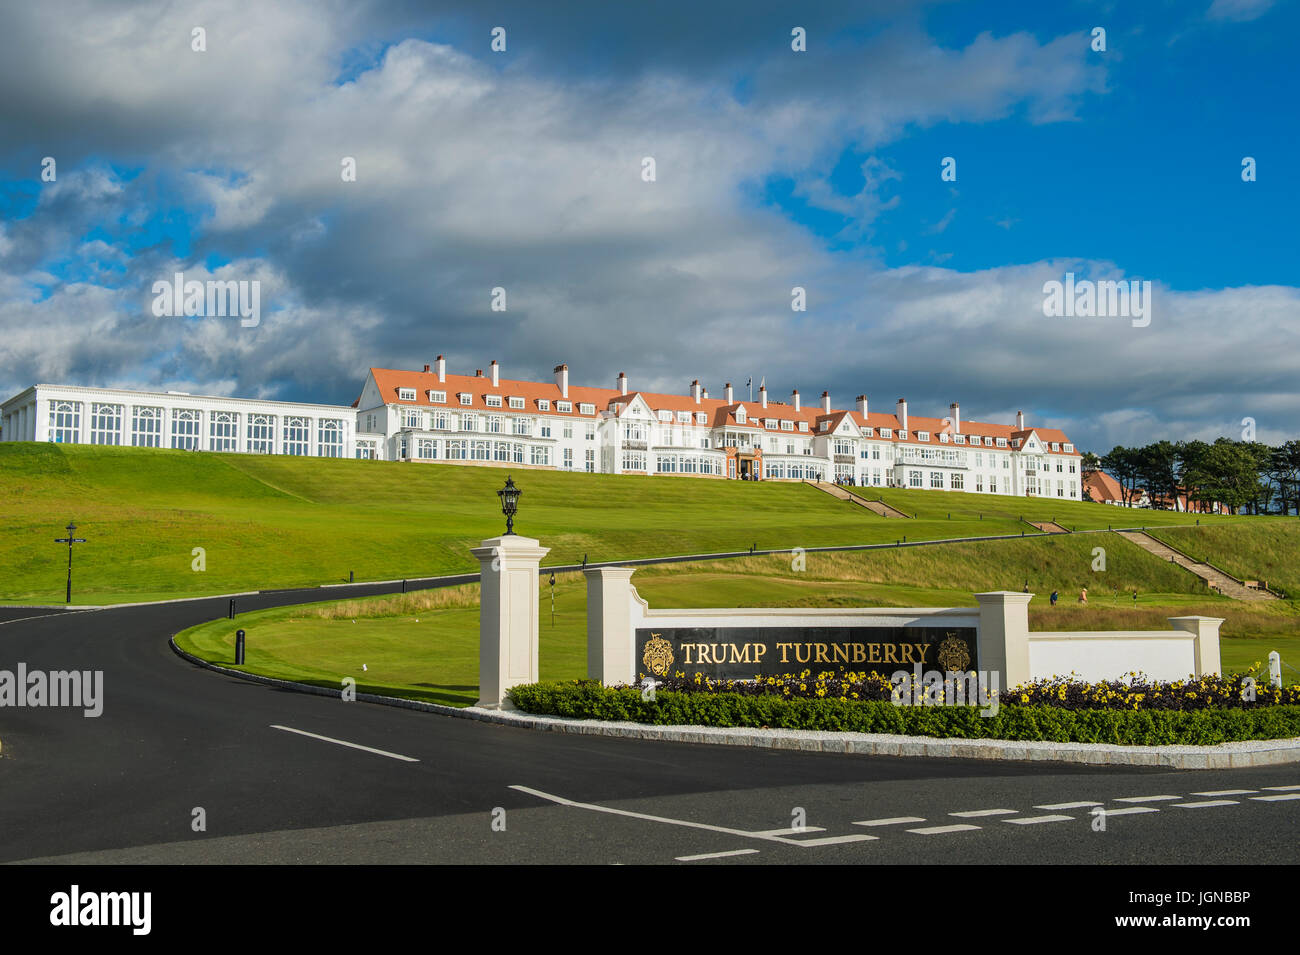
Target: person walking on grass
(1083, 595)
(1053, 597)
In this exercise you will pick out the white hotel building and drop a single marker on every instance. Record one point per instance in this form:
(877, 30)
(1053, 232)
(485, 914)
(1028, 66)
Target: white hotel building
(487, 420)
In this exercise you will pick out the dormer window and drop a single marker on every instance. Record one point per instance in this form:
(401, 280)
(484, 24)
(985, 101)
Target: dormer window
(466, 398)
(988, 442)
(826, 425)
(1002, 442)
(803, 425)
(902, 435)
(494, 401)
(943, 437)
(517, 404)
(683, 417)
(787, 425)
(666, 416)
(868, 432)
(701, 418)
(564, 407)
(923, 435)
(405, 394)
(438, 397)
(959, 438)
(1069, 448)
(886, 432)
(1056, 446)
(543, 404)
(741, 417)
(587, 409)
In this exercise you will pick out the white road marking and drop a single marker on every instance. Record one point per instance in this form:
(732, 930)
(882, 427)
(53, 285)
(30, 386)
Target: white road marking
(1130, 811)
(1227, 792)
(1282, 788)
(343, 742)
(1034, 820)
(976, 813)
(1148, 798)
(787, 832)
(1206, 805)
(940, 830)
(717, 855)
(833, 840)
(1277, 798)
(893, 821)
(593, 807)
(1068, 805)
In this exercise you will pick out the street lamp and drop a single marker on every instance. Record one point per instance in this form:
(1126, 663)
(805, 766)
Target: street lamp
(509, 503)
(70, 540)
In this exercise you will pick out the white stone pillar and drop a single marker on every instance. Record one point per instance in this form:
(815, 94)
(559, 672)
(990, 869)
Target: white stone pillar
(1206, 644)
(1004, 635)
(508, 622)
(610, 640)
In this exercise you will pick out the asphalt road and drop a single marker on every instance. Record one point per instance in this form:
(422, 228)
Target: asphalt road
(173, 738)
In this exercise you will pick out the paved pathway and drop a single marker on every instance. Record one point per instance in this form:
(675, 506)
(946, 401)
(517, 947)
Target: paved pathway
(1215, 578)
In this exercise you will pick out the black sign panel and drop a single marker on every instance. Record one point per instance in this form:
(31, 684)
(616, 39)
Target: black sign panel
(742, 653)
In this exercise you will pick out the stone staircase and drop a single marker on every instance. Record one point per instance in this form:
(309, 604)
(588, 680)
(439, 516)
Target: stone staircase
(844, 494)
(1215, 578)
(1048, 527)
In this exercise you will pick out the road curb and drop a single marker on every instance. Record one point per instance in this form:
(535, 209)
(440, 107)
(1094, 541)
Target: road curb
(1240, 755)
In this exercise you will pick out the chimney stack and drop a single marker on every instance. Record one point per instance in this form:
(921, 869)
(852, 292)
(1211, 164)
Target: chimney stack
(954, 412)
(826, 402)
(622, 383)
(862, 405)
(728, 393)
(441, 365)
(426, 369)
(762, 395)
(1020, 421)
(562, 380)
(496, 373)
(794, 399)
(695, 390)
(478, 372)
(901, 414)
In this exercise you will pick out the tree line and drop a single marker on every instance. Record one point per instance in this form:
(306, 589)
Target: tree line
(1240, 474)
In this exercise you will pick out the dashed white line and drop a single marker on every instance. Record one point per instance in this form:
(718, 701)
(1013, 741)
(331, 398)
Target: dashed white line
(788, 831)
(1208, 803)
(717, 855)
(343, 742)
(892, 821)
(1069, 805)
(832, 840)
(1281, 788)
(940, 830)
(1148, 798)
(976, 813)
(1034, 820)
(1278, 798)
(1227, 792)
(1130, 811)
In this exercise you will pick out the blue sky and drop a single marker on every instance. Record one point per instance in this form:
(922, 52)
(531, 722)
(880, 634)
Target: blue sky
(521, 169)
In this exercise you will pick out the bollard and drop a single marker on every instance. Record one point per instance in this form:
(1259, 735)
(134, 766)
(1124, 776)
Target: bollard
(232, 608)
(239, 648)
(403, 585)
(351, 576)
(1275, 668)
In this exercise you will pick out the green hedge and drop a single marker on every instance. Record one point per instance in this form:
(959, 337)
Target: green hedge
(585, 699)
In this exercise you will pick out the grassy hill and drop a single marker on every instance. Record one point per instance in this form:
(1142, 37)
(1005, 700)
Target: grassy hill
(268, 522)
(1268, 551)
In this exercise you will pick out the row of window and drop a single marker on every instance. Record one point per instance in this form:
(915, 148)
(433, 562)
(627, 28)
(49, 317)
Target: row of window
(496, 401)
(182, 429)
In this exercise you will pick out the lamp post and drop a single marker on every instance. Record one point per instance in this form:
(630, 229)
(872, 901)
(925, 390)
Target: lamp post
(552, 599)
(70, 540)
(509, 503)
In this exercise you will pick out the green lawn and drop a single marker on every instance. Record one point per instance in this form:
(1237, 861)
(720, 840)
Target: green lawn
(266, 522)
(425, 645)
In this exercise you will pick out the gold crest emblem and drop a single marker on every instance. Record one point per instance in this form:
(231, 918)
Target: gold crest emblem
(954, 654)
(658, 656)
